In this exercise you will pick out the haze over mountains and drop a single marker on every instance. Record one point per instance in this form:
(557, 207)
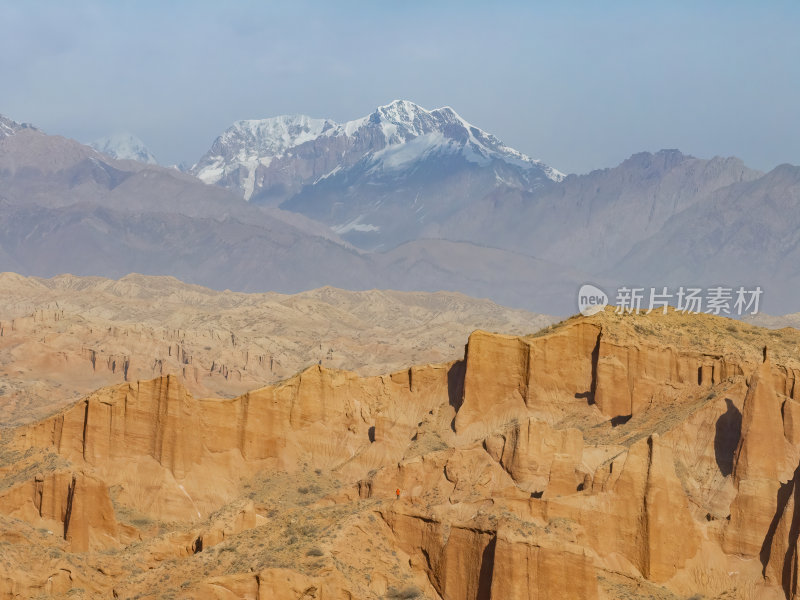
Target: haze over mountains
(124, 146)
(403, 198)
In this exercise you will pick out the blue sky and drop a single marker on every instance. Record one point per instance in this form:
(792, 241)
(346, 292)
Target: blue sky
(580, 85)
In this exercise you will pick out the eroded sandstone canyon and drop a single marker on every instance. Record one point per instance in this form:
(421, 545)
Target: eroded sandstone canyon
(612, 456)
(64, 337)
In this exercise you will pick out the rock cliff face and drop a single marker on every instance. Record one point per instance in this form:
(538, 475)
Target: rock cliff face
(606, 457)
(76, 503)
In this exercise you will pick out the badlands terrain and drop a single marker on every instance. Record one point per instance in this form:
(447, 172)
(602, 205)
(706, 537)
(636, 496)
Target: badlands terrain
(64, 337)
(604, 457)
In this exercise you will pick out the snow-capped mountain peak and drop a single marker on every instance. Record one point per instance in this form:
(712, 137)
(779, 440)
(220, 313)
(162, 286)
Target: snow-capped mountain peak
(281, 154)
(124, 146)
(402, 121)
(252, 143)
(272, 136)
(406, 114)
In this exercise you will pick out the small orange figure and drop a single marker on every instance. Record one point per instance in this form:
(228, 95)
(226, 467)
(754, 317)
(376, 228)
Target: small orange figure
(397, 491)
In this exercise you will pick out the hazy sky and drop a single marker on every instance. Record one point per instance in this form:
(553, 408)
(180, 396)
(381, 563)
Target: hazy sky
(580, 85)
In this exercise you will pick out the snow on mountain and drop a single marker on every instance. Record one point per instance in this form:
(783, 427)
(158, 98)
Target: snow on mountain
(9, 127)
(392, 138)
(124, 146)
(250, 143)
(440, 130)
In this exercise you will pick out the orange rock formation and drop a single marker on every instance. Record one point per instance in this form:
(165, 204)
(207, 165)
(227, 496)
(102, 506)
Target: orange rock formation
(607, 457)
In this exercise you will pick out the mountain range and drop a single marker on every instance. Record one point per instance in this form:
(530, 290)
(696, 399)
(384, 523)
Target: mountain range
(403, 198)
(378, 181)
